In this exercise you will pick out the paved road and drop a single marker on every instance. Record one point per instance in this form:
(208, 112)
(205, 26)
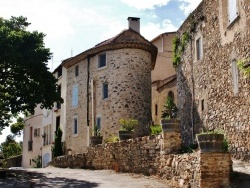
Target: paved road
(56, 177)
(79, 178)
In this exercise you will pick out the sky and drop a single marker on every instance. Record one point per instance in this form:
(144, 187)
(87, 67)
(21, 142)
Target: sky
(73, 26)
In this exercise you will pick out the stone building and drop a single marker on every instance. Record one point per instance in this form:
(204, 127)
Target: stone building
(212, 91)
(108, 82)
(163, 77)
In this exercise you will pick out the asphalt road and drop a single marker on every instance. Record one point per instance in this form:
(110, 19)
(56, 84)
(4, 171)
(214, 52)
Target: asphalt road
(56, 177)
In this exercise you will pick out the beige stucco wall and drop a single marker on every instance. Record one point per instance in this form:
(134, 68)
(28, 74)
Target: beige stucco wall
(128, 73)
(34, 121)
(162, 70)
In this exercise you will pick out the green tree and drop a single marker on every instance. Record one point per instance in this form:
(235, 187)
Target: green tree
(169, 108)
(57, 150)
(10, 147)
(25, 79)
(16, 128)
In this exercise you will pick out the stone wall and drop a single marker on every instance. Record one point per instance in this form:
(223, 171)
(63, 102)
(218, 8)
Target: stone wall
(146, 155)
(206, 96)
(15, 161)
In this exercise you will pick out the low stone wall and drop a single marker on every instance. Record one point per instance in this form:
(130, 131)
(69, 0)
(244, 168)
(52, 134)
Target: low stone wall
(147, 155)
(15, 161)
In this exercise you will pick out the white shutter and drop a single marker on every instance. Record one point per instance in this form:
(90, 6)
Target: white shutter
(232, 10)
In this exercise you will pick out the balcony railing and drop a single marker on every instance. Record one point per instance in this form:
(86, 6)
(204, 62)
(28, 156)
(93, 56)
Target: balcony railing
(30, 144)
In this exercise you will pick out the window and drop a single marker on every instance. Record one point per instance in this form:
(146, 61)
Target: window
(235, 77)
(47, 138)
(232, 10)
(75, 96)
(202, 105)
(75, 126)
(105, 90)
(198, 49)
(58, 104)
(57, 122)
(102, 60)
(37, 132)
(98, 123)
(76, 70)
(59, 73)
(156, 110)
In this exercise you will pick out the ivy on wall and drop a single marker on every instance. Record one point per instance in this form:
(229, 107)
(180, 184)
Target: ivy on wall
(244, 67)
(179, 47)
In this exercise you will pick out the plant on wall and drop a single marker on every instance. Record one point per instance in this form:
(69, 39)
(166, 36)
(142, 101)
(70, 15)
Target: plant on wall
(38, 161)
(169, 108)
(179, 47)
(57, 150)
(244, 67)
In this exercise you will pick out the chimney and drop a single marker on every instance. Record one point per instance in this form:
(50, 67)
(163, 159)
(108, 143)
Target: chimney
(134, 23)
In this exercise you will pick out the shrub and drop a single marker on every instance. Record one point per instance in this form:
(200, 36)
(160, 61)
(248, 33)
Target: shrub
(155, 129)
(128, 124)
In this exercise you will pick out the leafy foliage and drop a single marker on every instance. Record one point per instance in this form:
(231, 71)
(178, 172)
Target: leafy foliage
(25, 80)
(169, 108)
(57, 150)
(155, 129)
(128, 124)
(243, 68)
(10, 147)
(179, 47)
(111, 139)
(38, 161)
(17, 127)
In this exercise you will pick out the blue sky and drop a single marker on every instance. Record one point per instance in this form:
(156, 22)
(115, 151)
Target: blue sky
(73, 26)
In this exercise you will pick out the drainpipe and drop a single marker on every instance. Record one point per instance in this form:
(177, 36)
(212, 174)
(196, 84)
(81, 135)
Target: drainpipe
(88, 59)
(162, 43)
(92, 103)
(193, 98)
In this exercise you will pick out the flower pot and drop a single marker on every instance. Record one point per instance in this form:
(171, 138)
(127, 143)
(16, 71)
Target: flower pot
(95, 140)
(210, 142)
(124, 135)
(170, 125)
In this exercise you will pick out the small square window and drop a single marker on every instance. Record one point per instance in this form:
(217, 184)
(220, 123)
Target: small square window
(105, 90)
(76, 70)
(75, 124)
(198, 49)
(102, 60)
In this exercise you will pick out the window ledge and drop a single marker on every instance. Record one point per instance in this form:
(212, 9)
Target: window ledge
(233, 21)
(101, 68)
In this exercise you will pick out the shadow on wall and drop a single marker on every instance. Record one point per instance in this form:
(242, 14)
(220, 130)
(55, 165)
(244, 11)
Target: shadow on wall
(191, 122)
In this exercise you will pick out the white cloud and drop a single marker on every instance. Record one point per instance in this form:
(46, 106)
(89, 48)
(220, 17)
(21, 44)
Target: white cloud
(189, 5)
(151, 30)
(145, 4)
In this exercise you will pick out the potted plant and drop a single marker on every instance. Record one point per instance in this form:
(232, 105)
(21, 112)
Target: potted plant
(97, 138)
(127, 128)
(212, 141)
(155, 129)
(169, 121)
